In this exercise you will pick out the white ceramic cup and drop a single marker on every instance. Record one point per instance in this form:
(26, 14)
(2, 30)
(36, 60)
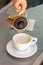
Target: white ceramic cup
(22, 41)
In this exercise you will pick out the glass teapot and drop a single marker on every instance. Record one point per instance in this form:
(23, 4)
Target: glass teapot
(18, 22)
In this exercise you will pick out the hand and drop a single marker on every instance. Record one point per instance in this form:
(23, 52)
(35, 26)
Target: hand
(20, 5)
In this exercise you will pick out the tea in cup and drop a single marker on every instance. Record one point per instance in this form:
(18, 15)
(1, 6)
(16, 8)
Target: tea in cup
(22, 41)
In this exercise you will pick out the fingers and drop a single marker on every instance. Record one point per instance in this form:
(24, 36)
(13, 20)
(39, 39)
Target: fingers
(16, 4)
(21, 11)
(20, 5)
(23, 8)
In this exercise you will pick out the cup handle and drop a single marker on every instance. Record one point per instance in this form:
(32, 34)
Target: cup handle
(33, 41)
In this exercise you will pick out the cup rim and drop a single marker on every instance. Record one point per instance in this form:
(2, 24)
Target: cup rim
(23, 34)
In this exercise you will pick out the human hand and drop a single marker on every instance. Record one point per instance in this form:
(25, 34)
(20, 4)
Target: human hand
(20, 5)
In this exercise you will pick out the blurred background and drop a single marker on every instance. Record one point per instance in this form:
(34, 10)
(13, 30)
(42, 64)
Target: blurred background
(3, 3)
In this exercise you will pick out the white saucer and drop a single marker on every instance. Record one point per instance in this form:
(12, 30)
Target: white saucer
(20, 54)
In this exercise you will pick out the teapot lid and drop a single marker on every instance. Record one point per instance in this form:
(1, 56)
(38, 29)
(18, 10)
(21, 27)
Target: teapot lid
(20, 23)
